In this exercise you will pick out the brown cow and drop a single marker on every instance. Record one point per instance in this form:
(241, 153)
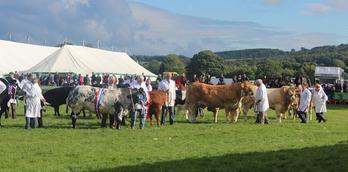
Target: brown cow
(157, 100)
(280, 100)
(216, 97)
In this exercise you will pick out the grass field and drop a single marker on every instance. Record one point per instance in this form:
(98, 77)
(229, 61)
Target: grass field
(203, 146)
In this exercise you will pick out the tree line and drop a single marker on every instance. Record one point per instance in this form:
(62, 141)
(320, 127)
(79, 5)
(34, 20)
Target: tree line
(256, 63)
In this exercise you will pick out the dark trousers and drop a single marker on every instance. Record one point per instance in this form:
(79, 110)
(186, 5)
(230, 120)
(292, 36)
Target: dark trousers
(302, 116)
(170, 110)
(30, 122)
(261, 118)
(320, 117)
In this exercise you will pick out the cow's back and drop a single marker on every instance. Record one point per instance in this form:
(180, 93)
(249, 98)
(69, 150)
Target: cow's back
(57, 96)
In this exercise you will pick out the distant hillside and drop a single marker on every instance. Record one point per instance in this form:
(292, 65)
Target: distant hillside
(251, 53)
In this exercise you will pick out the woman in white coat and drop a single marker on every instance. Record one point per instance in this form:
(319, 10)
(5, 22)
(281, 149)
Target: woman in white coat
(33, 104)
(319, 98)
(261, 102)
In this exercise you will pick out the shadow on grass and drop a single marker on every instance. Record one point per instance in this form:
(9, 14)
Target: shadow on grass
(324, 158)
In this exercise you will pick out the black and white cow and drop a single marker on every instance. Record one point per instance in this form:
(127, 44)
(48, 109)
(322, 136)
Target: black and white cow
(56, 97)
(115, 102)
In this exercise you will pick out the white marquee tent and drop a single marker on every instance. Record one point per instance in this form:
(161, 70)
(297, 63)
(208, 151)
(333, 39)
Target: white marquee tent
(85, 60)
(19, 56)
(323, 72)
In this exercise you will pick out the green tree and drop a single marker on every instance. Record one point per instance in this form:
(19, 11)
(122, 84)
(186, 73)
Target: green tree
(173, 63)
(205, 62)
(270, 68)
(154, 66)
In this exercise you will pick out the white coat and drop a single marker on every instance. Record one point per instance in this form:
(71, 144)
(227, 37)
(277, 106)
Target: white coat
(305, 100)
(262, 98)
(320, 98)
(169, 86)
(33, 101)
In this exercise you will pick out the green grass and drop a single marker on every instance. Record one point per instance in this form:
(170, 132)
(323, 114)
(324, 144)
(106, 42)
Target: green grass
(203, 146)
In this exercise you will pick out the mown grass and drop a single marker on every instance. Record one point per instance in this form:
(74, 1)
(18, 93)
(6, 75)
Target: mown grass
(203, 146)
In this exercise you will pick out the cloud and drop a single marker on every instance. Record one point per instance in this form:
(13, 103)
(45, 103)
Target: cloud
(272, 2)
(316, 9)
(140, 28)
(338, 4)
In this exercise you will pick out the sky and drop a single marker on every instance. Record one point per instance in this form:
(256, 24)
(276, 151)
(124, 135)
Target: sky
(160, 27)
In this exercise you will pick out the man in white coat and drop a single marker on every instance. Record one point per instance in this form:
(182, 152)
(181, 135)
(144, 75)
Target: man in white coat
(168, 85)
(261, 102)
(305, 100)
(33, 104)
(319, 98)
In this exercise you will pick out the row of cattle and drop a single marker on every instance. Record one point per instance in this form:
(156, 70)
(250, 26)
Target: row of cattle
(116, 103)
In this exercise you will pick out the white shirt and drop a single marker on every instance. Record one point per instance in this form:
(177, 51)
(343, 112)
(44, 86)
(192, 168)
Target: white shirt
(169, 86)
(305, 100)
(262, 98)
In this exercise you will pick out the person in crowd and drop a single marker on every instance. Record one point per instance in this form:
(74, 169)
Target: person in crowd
(207, 79)
(87, 80)
(105, 80)
(319, 98)
(159, 78)
(221, 80)
(94, 79)
(245, 77)
(195, 78)
(51, 80)
(181, 80)
(148, 85)
(261, 102)
(239, 78)
(12, 89)
(16, 75)
(202, 78)
(112, 81)
(81, 80)
(168, 85)
(140, 106)
(120, 82)
(144, 77)
(98, 80)
(56, 79)
(305, 100)
(126, 82)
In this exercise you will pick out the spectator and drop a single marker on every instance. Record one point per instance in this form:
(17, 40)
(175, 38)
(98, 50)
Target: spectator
(221, 80)
(168, 85)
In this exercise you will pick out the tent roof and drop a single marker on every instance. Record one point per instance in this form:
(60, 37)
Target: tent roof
(21, 56)
(85, 60)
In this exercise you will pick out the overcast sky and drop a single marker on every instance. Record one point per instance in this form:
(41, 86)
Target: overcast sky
(155, 27)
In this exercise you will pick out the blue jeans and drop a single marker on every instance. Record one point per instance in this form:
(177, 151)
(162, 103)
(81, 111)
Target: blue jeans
(30, 122)
(141, 113)
(170, 110)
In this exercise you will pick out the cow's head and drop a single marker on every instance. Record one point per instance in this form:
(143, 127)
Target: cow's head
(290, 95)
(246, 88)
